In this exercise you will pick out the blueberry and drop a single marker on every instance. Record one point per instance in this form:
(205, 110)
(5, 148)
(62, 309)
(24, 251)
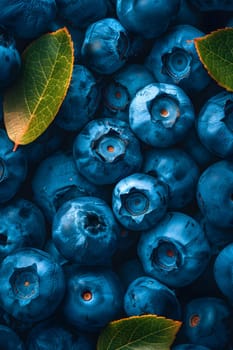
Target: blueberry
(53, 335)
(223, 271)
(214, 193)
(146, 295)
(105, 46)
(85, 231)
(215, 126)
(9, 57)
(175, 251)
(139, 201)
(22, 224)
(174, 60)
(177, 170)
(208, 322)
(32, 284)
(94, 297)
(81, 13)
(161, 115)
(27, 18)
(13, 168)
(106, 150)
(147, 17)
(120, 89)
(9, 340)
(81, 101)
(57, 180)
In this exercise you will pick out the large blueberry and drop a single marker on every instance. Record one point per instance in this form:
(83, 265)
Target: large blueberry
(148, 17)
(175, 251)
(9, 340)
(32, 284)
(146, 295)
(215, 195)
(223, 271)
(56, 180)
(106, 150)
(85, 231)
(208, 322)
(139, 201)
(177, 170)
(121, 88)
(161, 114)
(27, 18)
(174, 60)
(13, 168)
(106, 45)
(22, 224)
(215, 125)
(81, 101)
(94, 297)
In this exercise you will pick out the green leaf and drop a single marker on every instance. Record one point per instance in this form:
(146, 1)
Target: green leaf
(215, 51)
(148, 332)
(32, 102)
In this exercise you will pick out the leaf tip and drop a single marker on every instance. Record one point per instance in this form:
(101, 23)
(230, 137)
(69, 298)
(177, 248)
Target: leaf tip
(15, 147)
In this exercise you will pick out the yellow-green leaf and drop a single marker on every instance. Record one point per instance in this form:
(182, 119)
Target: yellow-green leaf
(147, 332)
(32, 102)
(215, 51)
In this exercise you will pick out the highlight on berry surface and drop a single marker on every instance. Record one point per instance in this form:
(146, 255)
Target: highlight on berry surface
(32, 102)
(215, 52)
(148, 332)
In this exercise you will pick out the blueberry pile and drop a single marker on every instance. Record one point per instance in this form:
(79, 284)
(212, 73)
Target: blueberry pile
(124, 205)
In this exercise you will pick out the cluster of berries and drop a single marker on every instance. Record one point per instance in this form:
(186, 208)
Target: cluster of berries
(124, 206)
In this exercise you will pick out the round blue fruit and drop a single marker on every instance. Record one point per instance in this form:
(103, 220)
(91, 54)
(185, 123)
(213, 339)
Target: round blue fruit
(175, 251)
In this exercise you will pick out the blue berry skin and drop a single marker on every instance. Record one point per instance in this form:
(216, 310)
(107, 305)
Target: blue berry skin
(121, 88)
(190, 347)
(148, 18)
(215, 126)
(213, 5)
(174, 60)
(32, 284)
(146, 295)
(9, 340)
(214, 194)
(208, 322)
(81, 101)
(94, 297)
(13, 168)
(85, 231)
(139, 201)
(57, 180)
(80, 14)
(9, 57)
(195, 148)
(106, 150)
(22, 224)
(51, 249)
(105, 46)
(176, 251)
(27, 18)
(223, 271)
(52, 335)
(177, 170)
(161, 115)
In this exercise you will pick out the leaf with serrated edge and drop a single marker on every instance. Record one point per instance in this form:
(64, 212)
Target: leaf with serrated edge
(215, 51)
(147, 332)
(32, 102)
